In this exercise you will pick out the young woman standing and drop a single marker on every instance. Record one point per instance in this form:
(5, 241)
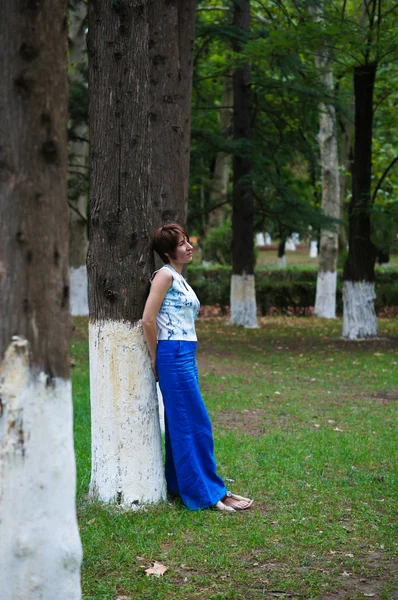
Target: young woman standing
(169, 329)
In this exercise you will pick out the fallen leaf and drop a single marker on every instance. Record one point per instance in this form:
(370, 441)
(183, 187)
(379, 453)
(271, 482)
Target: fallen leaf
(90, 522)
(158, 569)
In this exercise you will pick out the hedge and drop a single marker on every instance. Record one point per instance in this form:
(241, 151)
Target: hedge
(287, 290)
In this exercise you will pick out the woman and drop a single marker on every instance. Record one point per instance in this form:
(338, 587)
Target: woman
(169, 328)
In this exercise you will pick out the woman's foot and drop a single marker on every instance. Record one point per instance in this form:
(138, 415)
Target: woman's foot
(221, 506)
(237, 502)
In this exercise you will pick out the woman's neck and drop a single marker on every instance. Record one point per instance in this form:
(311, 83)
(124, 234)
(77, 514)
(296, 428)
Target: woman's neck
(177, 267)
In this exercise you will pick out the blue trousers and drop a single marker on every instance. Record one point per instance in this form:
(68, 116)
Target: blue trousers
(190, 465)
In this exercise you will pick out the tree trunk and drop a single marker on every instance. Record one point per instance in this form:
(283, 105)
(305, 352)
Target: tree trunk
(171, 39)
(358, 287)
(126, 449)
(219, 184)
(243, 297)
(346, 158)
(78, 156)
(281, 262)
(40, 546)
(325, 301)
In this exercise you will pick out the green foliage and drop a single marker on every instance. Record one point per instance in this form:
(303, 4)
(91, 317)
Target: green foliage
(217, 245)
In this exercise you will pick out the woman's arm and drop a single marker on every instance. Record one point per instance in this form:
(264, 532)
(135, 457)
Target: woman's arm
(161, 283)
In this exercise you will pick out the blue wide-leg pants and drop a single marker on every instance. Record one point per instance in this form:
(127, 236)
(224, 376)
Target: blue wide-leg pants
(190, 465)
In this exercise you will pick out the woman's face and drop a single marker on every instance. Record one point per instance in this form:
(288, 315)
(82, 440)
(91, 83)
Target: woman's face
(183, 252)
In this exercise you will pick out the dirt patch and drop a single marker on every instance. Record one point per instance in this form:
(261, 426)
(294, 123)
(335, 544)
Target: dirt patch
(250, 422)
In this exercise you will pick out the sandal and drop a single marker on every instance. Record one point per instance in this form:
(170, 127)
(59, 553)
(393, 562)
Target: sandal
(237, 502)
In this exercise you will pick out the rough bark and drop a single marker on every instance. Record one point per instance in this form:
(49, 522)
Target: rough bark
(219, 184)
(171, 39)
(33, 167)
(325, 301)
(40, 547)
(118, 262)
(125, 425)
(242, 196)
(359, 271)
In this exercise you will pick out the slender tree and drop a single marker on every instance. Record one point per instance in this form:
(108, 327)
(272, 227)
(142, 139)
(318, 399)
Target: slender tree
(325, 301)
(218, 188)
(40, 547)
(78, 162)
(243, 296)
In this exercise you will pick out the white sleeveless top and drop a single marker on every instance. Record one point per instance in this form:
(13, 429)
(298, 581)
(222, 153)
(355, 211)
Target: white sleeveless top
(176, 317)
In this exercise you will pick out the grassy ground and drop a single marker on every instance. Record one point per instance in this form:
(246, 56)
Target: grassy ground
(306, 424)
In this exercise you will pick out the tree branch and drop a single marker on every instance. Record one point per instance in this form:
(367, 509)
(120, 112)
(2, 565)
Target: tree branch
(382, 178)
(77, 211)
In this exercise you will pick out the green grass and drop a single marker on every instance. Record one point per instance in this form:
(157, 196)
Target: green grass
(306, 424)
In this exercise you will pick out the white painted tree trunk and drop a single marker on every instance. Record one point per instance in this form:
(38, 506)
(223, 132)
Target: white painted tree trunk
(243, 301)
(268, 240)
(281, 262)
(40, 546)
(290, 245)
(313, 249)
(326, 294)
(260, 241)
(127, 464)
(359, 316)
(78, 291)
(325, 301)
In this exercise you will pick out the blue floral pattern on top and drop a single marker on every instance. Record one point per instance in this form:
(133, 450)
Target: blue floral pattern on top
(180, 307)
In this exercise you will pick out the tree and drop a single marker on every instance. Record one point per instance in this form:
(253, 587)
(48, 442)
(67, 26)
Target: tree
(218, 188)
(378, 45)
(78, 187)
(243, 296)
(325, 301)
(139, 81)
(41, 551)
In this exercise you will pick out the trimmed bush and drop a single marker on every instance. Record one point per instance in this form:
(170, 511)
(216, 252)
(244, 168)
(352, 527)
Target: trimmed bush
(287, 290)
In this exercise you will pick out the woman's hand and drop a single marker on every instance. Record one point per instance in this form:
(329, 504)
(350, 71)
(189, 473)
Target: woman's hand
(154, 371)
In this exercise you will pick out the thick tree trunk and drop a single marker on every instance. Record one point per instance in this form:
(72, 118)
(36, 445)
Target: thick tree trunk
(40, 546)
(219, 185)
(325, 301)
(243, 298)
(126, 449)
(358, 288)
(171, 40)
(78, 156)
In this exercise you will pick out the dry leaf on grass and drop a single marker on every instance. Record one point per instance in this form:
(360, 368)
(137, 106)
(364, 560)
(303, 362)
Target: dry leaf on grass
(158, 569)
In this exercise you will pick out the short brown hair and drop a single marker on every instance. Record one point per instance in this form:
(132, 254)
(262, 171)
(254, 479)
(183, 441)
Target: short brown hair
(166, 239)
